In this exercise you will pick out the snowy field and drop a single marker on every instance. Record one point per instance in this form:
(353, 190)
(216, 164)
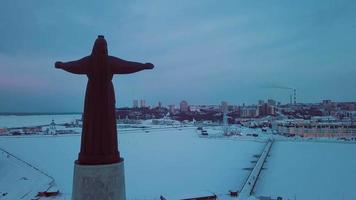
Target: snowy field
(309, 171)
(173, 163)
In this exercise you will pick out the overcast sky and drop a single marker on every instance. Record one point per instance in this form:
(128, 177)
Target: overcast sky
(203, 51)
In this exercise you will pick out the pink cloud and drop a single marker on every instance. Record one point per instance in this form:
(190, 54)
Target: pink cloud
(22, 82)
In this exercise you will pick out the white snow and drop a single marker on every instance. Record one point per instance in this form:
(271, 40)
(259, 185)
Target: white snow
(173, 163)
(309, 171)
(20, 180)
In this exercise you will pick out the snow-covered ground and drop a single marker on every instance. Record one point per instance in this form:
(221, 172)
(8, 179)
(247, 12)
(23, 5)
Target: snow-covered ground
(179, 164)
(20, 180)
(173, 163)
(309, 171)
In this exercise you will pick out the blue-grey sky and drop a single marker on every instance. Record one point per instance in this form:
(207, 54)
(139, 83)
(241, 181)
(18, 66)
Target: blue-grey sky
(204, 51)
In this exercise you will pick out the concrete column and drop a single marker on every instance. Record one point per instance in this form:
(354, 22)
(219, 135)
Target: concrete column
(94, 182)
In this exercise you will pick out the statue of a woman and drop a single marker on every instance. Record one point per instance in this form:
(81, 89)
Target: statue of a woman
(99, 135)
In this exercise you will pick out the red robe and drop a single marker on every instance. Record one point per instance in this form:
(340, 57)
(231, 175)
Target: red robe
(99, 144)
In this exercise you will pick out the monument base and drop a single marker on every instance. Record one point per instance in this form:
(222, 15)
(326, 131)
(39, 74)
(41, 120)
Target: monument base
(104, 182)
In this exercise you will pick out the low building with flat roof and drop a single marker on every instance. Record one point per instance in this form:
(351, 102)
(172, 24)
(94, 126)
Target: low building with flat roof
(306, 128)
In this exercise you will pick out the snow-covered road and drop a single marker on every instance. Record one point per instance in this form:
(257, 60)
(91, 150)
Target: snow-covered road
(252, 179)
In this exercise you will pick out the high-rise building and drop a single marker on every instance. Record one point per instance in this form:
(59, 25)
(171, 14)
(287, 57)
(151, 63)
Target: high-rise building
(326, 102)
(142, 103)
(159, 104)
(184, 106)
(266, 109)
(135, 103)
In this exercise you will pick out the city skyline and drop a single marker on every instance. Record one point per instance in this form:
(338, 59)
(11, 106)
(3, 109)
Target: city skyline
(134, 103)
(204, 51)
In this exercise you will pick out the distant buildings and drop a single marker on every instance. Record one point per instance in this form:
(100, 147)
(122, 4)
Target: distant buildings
(135, 103)
(249, 111)
(326, 102)
(271, 102)
(142, 103)
(266, 109)
(260, 102)
(262, 109)
(171, 108)
(184, 106)
(224, 107)
(270, 110)
(311, 128)
(52, 128)
(194, 108)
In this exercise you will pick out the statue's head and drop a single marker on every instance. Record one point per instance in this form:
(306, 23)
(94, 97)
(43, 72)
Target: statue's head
(100, 47)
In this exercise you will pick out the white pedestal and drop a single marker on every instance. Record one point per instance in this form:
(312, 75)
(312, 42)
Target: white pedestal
(99, 182)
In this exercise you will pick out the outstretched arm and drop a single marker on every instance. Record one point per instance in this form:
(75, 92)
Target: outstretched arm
(119, 66)
(75, 67)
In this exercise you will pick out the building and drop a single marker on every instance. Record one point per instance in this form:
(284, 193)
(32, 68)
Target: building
(266, 109)
(184, 106)
(307, 128)
(52, 128)
(326, 102)
(32, 130)
(249, 111)
(142, 103)
(224, 107)
(159, 104)
(194, 108)
(172, 108)
(135, 103)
